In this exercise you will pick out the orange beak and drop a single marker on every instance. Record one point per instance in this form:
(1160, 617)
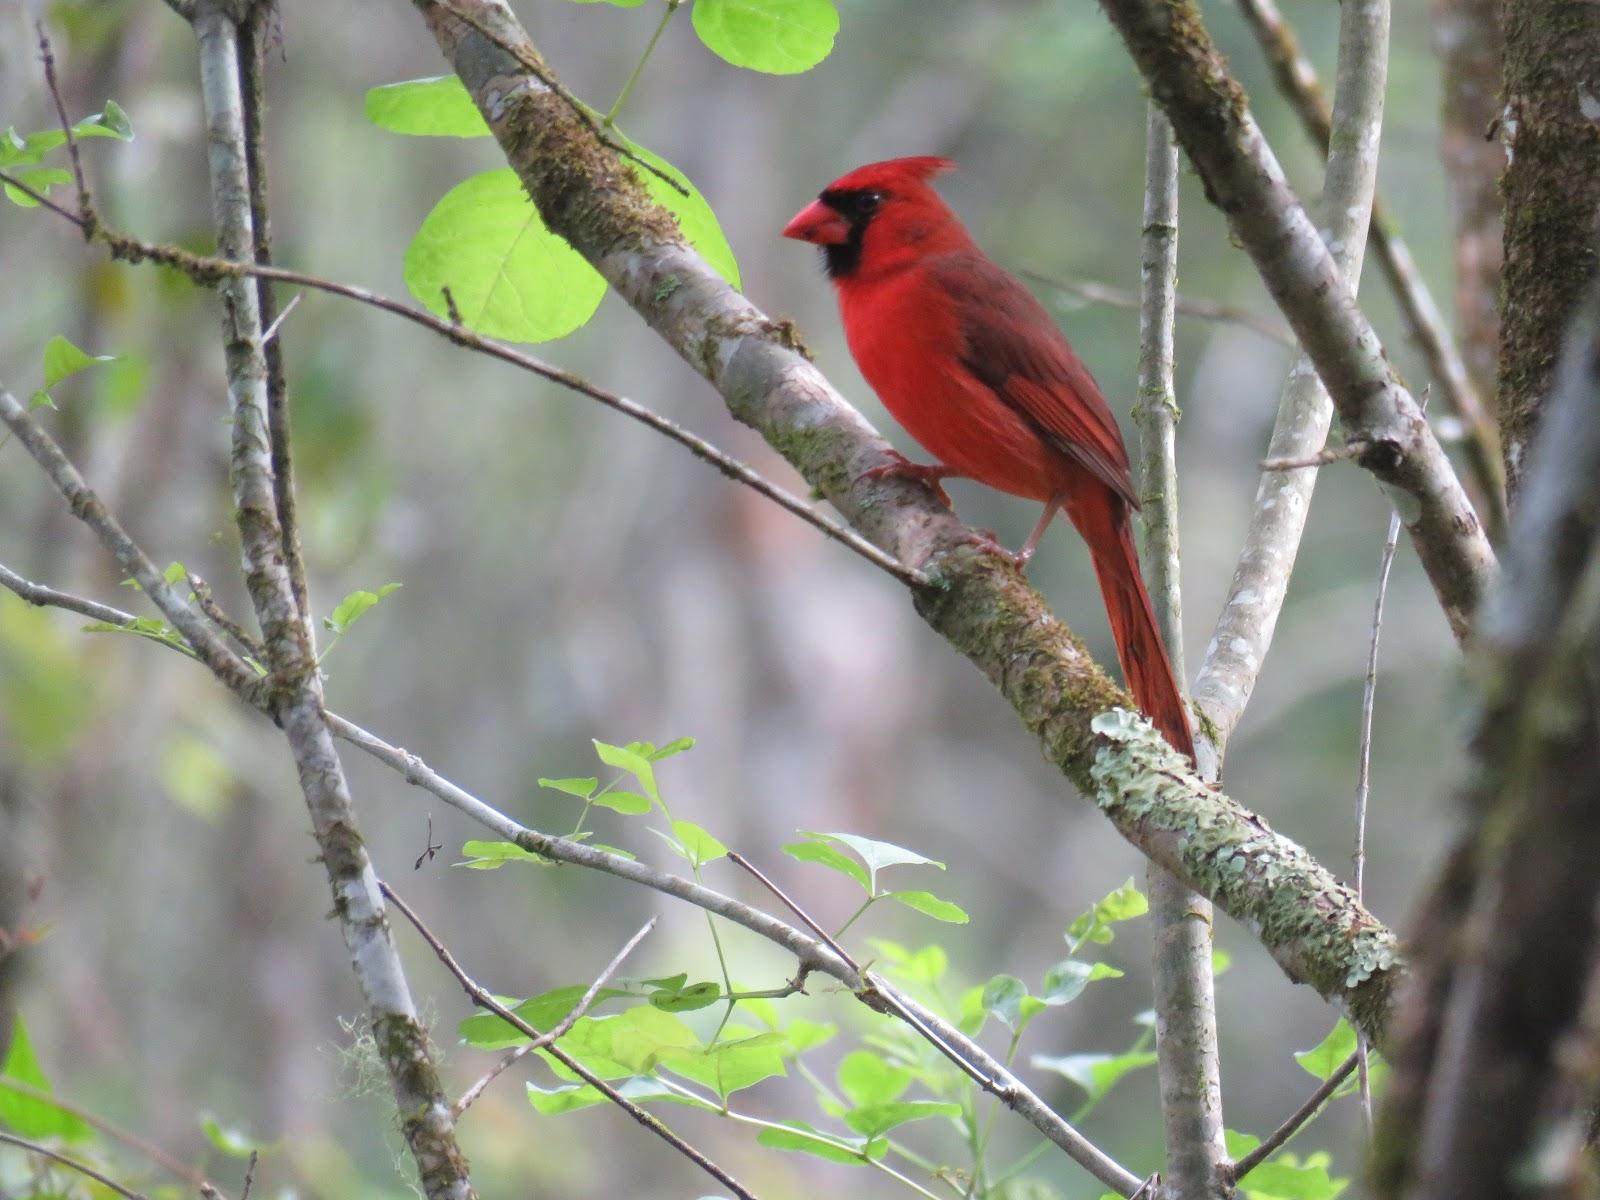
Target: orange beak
(818, 224)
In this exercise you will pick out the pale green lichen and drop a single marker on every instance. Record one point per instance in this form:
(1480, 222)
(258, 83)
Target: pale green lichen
(1313, 925)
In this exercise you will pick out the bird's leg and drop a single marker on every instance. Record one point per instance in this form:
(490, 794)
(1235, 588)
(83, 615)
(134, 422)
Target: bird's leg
(1022, 556)
(928, 473)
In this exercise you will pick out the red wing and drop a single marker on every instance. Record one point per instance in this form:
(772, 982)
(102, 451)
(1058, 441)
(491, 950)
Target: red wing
(1014, 348)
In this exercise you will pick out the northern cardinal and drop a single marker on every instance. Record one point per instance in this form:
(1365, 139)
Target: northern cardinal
(973, 367)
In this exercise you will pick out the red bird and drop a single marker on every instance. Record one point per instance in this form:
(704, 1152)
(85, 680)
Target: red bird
(973, 367)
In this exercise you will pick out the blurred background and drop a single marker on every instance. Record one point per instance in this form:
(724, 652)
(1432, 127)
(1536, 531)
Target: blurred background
(569, 575)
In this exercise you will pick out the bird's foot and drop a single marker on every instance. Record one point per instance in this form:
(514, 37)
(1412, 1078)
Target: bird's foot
(988, 541)
(903, 468)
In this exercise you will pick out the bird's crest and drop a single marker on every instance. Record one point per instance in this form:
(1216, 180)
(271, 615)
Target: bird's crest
(918, 169)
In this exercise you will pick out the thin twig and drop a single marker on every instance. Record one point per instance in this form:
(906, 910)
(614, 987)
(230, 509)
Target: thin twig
(484, 999)
(740, 860)
(1321, 458)
(1369, 693)
(204, 269)
(213, 610)
(272, 329)
(111, 1129)
(1297, 1120)
(585, 1002)
(72, 1164)
(1187, 306)
(250, 1174)
(85, 202)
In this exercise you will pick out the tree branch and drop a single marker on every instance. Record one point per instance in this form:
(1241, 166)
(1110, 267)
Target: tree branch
(1297, 80)
(1552, 191)
(296, 690)
(1185, 995)
(1243, 635)
(1188, 77)
(975, 599)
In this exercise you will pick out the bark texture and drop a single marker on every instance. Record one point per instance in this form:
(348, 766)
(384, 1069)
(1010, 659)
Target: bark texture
(1552, 197)
(1470, 40)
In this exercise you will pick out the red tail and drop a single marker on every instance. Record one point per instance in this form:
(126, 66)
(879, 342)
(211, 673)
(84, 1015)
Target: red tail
(1140, 650)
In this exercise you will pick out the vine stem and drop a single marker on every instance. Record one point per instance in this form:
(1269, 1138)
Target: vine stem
(610, 118)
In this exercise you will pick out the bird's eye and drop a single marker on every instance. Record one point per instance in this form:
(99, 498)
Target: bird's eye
(868, 201)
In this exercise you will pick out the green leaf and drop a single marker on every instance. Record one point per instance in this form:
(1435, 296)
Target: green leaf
(1066, 980)
(629, 804)
(699, 845)
(825, 855)
(355, 606)
(803, 1035)
(730, 1065)
(1287, 1177)
(486, 856)
(780, 37)
(930, 905)
(796, 1136)
(696, 220)
(510, 276)
(686, 999)
(1096, 1074)
(636, 764)
(1326, 1057)
(876, 1119)
(677, 745)
(62, 360)
(1239, 1144)
(1123, 904)
(25, 1115)
(869, 1080)
(40, 179)
(438, 106)
(544, 1012)
(925, 966)
(111, 121)
(580, 786)
(230, 1140)
(1003, 996)
(877, 855)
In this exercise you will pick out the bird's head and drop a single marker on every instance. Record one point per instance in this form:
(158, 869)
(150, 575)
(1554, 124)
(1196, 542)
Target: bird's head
(882, 213)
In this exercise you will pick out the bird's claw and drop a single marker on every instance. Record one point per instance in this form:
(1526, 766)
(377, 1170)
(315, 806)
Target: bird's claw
(988, 541)
(903, 468)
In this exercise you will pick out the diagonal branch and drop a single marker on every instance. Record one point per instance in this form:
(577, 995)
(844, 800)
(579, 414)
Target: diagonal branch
(1243, 636)
(1297, 80)
(1311, 924)
(1187, 76)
